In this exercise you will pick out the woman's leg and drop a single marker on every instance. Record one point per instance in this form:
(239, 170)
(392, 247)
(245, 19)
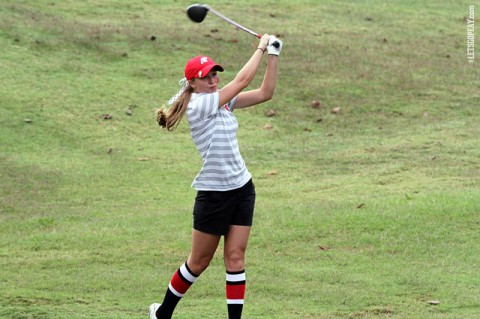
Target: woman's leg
(203, 249)
(236, 242)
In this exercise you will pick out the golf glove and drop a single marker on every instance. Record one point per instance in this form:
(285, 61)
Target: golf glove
(274, 46)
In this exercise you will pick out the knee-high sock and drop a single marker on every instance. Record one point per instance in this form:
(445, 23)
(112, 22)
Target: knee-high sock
(235, 288)
(182, 279)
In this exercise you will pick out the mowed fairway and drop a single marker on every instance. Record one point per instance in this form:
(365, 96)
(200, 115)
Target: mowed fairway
(367, 174)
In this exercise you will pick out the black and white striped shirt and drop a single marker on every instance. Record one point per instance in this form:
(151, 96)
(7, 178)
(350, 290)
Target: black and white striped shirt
(214, 132)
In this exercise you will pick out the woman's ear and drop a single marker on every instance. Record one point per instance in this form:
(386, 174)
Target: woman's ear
(192, 83)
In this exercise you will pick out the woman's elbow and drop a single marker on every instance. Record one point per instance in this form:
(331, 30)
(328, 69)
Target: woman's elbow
(268, 95)
(242, 82)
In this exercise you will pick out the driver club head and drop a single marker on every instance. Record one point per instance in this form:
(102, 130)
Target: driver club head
(197, 12)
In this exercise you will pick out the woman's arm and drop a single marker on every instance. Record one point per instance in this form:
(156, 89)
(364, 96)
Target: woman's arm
(266, 90)
(246, 74)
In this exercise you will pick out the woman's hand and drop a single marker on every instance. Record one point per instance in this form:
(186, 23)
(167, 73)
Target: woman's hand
(274, 46)
(264, 42)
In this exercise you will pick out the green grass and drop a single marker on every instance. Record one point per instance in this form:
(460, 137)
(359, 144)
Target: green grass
(373, 212)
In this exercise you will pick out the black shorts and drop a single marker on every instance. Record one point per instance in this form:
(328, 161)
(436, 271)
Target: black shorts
(214, 212)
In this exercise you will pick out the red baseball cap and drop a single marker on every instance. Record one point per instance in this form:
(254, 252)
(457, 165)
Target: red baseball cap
(199, 66)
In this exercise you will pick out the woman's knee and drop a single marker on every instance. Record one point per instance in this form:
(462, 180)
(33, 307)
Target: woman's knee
(198, 264)
(235, 260)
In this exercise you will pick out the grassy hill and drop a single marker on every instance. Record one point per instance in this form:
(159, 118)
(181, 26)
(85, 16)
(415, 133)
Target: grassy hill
(367, 176)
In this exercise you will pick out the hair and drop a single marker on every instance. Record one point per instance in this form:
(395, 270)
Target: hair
(170, 118)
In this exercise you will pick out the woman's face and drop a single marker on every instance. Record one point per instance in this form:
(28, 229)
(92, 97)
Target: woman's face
(207, 84)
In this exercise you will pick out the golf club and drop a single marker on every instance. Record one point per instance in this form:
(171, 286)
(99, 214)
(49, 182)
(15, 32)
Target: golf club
(198, 12)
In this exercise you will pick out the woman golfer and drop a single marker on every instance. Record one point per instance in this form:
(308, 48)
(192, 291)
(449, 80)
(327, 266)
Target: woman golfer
(225, 193)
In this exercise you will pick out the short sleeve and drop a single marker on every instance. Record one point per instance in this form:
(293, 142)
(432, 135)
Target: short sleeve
(204, 105)
(231, 104)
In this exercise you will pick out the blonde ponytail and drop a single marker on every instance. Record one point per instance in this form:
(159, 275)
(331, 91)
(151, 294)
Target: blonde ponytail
(170, 118)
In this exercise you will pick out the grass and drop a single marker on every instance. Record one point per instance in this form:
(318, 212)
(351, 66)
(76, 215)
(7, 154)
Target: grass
(372, 212)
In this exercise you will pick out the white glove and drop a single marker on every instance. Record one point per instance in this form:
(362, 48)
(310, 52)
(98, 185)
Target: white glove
(274, 46)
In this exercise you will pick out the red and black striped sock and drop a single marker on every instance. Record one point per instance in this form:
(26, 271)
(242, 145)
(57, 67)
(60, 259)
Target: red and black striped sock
(181, 281)
(235, 288)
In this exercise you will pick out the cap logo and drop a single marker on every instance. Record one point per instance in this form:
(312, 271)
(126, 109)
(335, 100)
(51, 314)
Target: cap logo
(204, 60)
(200, 73)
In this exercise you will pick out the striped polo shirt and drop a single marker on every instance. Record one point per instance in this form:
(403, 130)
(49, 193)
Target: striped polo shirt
(214, 132)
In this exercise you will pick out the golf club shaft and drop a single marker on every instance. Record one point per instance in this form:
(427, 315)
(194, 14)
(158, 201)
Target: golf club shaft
(221, 16)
